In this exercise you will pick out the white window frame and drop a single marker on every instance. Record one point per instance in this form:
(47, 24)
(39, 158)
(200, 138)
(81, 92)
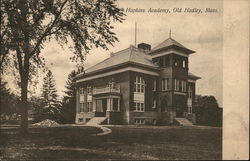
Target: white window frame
(183, 86)
(184, 63)
(139, 121)
(139, 107)
(165, 84)
(154, 104)
(190, 110)
(139, 85)
(154, 85)
(81, 107)
(89, 90)
(190, 92)
(176, 63)
(89, 106)
(176, 84)
(81, 91)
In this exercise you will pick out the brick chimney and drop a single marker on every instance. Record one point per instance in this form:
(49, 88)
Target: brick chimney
(144, 47)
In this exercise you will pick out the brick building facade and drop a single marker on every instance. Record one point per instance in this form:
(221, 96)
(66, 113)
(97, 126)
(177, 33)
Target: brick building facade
(138, 85)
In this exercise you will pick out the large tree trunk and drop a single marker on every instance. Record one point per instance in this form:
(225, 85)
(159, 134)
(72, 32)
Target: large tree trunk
(24, 103)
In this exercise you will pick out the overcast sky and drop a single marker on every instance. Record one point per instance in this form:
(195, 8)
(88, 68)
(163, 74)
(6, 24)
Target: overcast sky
(199, 32)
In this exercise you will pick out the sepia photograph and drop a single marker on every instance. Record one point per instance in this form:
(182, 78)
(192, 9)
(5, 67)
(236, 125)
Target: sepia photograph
(118, 80)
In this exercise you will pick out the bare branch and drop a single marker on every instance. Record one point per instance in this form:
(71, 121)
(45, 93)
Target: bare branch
(48, 29)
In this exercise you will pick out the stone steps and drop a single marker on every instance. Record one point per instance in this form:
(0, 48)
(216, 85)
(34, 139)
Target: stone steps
(184, 122)
(96, 121)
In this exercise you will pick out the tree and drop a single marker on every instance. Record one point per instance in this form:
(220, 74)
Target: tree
(8, 102)
(69, 100)
(207, 111)
(49, 108)
(27, 25)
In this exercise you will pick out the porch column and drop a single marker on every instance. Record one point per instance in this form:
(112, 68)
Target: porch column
(77, 100)
(111, 104)
(108, 104)
(118, 104)
(94, 105)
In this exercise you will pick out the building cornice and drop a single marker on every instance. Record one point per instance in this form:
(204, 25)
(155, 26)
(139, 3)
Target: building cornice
(117, 71)
(115, 67)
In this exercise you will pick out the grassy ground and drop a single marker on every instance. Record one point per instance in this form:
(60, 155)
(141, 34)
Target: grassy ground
(122, 143)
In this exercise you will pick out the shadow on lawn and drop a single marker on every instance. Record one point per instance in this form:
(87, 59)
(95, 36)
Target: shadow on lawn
(122, 143)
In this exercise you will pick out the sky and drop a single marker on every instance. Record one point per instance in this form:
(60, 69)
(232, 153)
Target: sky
(201, 32)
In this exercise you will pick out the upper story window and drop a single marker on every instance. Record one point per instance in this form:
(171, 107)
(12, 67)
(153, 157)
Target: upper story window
(183, 86)
(165, 84)
(139, 85)
(154, 87)
(89, 90)
(176, 63)
(190, 92)
(184, 64)
(176, 84)
(81, 91)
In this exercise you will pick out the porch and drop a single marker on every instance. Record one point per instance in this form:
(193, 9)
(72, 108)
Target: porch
(104, 105)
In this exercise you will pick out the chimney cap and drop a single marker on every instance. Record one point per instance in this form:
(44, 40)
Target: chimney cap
(144, 46)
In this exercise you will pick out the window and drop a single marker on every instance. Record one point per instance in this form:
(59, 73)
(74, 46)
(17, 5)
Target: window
(184, 64)
(154, 88)
(81, 91)
(80, 120)
(139, 121)
(154, 104)
(89, 90)
(81, 108)
(176, 84)
(183, 86)
(176, 63)
(89, 106)
(190, 110)
(115, 104)
(139, 84)
(139, 107)
(189, 92)
(165, 84)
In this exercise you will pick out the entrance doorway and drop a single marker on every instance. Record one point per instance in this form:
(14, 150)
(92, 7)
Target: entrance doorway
(101, 107)
(179, 111)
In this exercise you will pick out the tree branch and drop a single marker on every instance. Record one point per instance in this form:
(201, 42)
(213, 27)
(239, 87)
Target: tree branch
(48, 29)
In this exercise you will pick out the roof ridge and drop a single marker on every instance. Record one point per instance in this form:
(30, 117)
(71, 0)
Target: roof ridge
(172, 42)
(118, 53)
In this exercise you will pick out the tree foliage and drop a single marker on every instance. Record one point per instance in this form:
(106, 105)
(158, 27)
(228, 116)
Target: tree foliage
(8, 103)
(27, 25)
(69, 100)
(49, 105)
(207, 111)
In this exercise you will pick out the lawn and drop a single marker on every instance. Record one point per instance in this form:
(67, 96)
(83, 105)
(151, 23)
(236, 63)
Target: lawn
(127, 142)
